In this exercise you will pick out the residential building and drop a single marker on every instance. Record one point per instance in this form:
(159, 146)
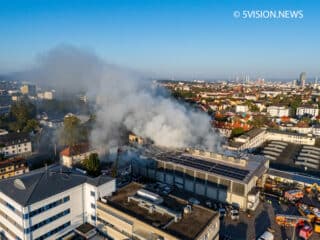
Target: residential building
(311, 111)
(242, 108)
(28, 89)
(47, 95)
(215, 176)
(278, 111)
(134, 212)
(49, 203)
(249, 140)
(13, 167)
(73, 155)
(12, 144)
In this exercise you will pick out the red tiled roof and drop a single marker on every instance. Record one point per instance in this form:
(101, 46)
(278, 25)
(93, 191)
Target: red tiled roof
(75, 150)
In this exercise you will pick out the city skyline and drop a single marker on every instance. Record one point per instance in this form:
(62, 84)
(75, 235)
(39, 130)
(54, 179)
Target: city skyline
(165, 39)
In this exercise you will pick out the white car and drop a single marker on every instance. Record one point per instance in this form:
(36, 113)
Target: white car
(234, 214)
(266, 236)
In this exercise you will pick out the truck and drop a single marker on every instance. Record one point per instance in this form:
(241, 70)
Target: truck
(305, 232)
(293, 195)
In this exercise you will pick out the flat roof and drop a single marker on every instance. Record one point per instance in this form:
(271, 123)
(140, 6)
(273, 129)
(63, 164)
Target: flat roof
(190, 225)
(85, 228)
(294, 176)
(226, 168)
(212, 167)
(252, 133)
(289, 133)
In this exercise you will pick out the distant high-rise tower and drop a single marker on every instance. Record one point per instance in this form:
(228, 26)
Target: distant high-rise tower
(302, 80)
(294, 83)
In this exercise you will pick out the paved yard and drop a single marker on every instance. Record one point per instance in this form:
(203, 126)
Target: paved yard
(263, 218)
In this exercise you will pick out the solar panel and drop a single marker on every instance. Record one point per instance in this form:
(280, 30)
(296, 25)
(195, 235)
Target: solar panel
(212, 167)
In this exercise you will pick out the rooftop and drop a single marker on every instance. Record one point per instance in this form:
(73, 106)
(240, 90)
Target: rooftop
(75, 150)
(240, 167)
(198, 218)
(43, 183)
(14, 138)
(12, 161)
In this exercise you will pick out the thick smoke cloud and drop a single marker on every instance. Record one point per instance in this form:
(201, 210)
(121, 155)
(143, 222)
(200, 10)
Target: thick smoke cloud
(124, 100)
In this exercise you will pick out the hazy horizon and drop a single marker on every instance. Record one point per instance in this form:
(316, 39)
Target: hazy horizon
(167, 39)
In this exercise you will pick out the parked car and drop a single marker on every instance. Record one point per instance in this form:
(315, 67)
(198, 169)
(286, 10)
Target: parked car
(266, 236)
(194, 201)
(234, 214)
(222, 212)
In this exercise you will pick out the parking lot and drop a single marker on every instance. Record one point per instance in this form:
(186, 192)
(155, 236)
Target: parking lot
(250, 228)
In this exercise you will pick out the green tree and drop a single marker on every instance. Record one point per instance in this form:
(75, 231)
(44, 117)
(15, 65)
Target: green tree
(259, 121)
(70, 134)
(20, 113)
(31, 125)
(254, 108)
(237, 132)
(92, 164)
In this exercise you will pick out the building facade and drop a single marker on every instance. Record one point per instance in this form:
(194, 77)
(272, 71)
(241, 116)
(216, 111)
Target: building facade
(311, 111)
(219, 177)
(12, 144)
(13, 167)
(278, 111)
(242, 108)
(49, 203)
(73, 155)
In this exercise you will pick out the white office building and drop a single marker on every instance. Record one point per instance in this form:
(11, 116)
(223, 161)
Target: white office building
(49, 203)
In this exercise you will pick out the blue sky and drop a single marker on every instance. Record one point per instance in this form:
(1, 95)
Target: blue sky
(196, 39)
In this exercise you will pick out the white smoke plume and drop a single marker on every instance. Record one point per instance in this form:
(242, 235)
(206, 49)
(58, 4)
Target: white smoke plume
(125, 100)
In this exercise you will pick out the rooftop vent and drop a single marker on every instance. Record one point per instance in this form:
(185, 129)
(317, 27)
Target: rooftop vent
(19, 184)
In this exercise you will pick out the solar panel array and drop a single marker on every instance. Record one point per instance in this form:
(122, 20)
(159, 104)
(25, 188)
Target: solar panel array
(236, 173)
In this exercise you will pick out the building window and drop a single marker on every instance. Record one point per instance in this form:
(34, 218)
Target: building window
(10, 206)
(46, 207)
(92, 193)
(47, 221)
(93, 217)
(54, 231)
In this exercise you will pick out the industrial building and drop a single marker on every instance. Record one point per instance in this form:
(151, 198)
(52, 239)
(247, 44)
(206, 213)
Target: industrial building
(49, 203)
(136, 213)
(225, 178)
